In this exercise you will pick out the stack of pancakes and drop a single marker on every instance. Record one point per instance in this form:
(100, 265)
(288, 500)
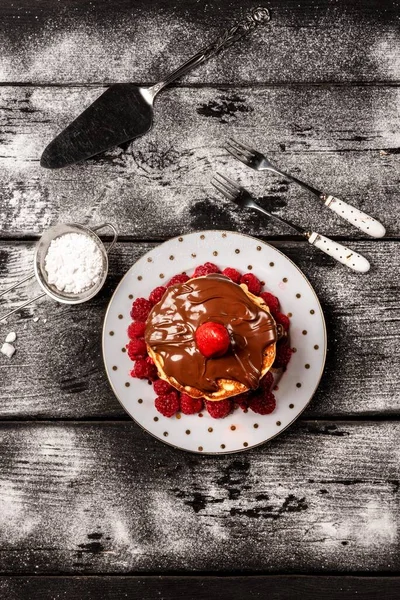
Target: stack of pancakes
(156, 339)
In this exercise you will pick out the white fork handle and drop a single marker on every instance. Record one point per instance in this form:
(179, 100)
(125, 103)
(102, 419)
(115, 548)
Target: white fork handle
(356, 217)
(342, 254)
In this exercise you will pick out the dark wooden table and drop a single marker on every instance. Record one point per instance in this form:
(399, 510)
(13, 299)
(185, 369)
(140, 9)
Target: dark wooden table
(90, 505)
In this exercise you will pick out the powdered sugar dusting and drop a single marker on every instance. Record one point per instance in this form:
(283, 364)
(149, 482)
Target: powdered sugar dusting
(129, 50)
(142, 46)
(12, 511)
(103, 492)
(310, 134)
(384, 51)
(380, 525)
(18, 203)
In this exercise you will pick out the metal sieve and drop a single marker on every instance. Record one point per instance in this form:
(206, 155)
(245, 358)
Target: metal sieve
(40, 273)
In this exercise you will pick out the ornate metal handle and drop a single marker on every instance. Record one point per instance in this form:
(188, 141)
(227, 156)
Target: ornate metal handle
(258, 16)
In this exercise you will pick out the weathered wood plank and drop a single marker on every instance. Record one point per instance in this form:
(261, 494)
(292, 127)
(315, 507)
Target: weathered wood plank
(58, 372)
(107, 498)
(274, 587)
(331, 137)
(141, 41)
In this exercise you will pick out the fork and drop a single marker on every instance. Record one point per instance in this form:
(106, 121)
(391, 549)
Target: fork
(237, 194)
(349, 213)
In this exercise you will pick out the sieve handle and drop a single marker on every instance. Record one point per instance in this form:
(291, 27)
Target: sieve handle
(11, 312)
(115, 234)
(12, 287)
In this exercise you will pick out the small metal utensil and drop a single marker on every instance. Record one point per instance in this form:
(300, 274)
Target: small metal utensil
(40, 273)
(257, 161)
(244, 199)
(125, 111)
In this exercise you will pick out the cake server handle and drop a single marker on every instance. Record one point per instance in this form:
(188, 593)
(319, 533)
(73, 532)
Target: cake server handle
(258, 16)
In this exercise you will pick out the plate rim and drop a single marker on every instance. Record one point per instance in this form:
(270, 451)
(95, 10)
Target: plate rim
(223, 452)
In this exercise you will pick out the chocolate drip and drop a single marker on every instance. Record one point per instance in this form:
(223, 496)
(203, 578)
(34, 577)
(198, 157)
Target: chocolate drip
(172, 324)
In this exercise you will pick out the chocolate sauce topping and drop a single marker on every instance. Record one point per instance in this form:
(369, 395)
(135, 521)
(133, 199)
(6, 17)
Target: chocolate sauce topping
(172, 324)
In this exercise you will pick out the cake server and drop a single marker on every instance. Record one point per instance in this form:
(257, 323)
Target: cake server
(349, 213)
(244, 199)
(125, 111)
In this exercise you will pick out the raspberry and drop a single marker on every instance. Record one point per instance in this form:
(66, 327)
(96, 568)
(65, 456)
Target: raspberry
(232, 274)
(137, 349)
(282, 320)
(271, 301)
(211, 267)
(242, 400)
(162, 387)
(140, 309)
(220, 408)
(212, 339)
(283, 354)
(267, 381)
(263, 404)
(182, 278)
(144, 369)
(136, 330)
(168, 404)
(253, 284)
(190, 406)
(157, 294)
(205, 269)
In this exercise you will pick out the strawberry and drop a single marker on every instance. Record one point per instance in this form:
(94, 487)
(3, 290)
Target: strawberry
(212, 339)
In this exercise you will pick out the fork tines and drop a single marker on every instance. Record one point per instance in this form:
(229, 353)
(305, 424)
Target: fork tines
(226, 186)
(239, 151)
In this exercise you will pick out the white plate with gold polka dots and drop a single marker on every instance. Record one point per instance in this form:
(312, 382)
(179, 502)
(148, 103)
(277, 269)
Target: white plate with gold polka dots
(240, 430)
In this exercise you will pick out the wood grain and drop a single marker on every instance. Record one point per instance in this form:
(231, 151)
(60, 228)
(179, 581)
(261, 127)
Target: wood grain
(274, 587)
(141, 41)
(57, 371)
(108, 498)
(317, 90)
(343, 140)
